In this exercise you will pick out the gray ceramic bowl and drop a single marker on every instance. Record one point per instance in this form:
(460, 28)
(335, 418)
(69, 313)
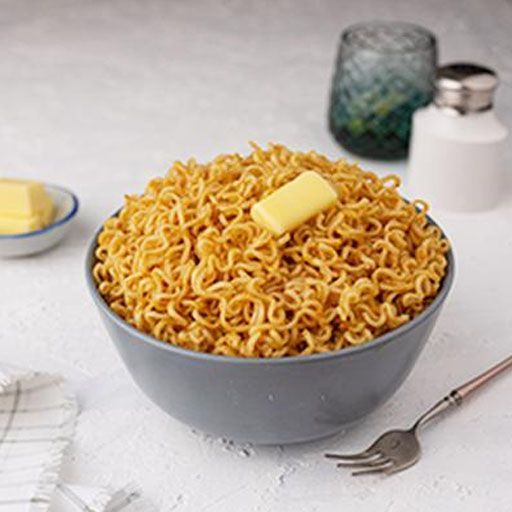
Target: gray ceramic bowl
(270, 401)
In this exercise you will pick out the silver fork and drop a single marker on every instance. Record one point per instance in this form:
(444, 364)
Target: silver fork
(397, 450)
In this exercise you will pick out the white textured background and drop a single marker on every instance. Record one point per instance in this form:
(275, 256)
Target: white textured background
(100, 96)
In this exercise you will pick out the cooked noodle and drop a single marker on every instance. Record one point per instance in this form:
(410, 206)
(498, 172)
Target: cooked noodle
(185, 262)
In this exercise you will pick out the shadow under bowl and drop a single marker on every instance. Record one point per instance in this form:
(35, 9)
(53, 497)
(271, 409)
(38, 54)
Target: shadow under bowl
(270, 401)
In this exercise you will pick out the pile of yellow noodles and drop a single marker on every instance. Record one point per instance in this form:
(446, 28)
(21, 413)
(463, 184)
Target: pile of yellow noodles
(185, 262)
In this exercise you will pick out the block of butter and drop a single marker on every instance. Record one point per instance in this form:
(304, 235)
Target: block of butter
(24, 206)
(294, 203)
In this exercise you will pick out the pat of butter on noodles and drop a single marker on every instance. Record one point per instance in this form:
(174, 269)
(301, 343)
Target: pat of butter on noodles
(294, 203)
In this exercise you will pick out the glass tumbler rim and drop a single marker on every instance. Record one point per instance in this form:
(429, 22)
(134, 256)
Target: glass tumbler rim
(352, 36)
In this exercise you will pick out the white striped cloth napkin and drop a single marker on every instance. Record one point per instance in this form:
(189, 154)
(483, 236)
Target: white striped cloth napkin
(37, 420)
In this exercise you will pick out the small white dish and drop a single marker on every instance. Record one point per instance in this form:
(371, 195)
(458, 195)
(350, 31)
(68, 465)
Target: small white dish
(25, 244)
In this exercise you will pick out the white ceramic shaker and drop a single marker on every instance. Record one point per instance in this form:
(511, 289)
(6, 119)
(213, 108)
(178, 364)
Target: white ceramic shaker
(457, 144)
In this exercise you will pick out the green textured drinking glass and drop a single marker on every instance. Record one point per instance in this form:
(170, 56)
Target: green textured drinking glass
(384, 72)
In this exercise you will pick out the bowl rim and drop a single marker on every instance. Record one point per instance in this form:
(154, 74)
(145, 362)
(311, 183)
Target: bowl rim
(346, 352)
(75, 205)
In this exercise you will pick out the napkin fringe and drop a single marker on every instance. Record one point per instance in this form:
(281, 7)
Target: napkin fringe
(15, 382)
(49, 477)
(8, 377)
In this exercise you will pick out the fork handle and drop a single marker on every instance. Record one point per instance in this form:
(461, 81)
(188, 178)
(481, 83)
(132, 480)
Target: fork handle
(455, 397)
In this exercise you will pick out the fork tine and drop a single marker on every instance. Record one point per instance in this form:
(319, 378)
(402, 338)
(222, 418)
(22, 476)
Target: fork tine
(383, 468)
(365, 454)
(372, 463)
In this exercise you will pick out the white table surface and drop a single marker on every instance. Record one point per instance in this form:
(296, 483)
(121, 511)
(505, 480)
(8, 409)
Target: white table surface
(100, 96)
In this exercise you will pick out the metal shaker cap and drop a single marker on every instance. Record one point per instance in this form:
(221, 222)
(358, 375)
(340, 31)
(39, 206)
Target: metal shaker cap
(464, 87)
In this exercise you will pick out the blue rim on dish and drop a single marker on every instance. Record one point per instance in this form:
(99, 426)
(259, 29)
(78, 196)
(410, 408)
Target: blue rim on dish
(384, 339)
(53, 225)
